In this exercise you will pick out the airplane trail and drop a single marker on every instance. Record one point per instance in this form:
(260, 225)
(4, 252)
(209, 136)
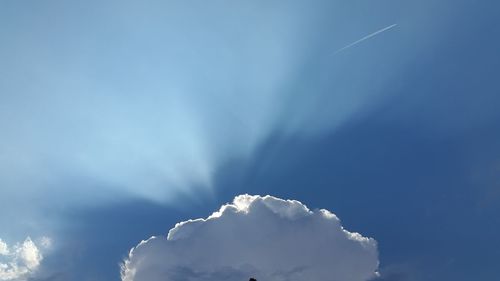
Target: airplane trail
(365, 38)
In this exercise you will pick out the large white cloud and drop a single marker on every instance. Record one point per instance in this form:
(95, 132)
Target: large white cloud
(20, 261)
(265, 237)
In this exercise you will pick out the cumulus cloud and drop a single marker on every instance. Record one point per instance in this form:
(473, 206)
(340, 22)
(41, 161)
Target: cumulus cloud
(264, 237)
(20, 261)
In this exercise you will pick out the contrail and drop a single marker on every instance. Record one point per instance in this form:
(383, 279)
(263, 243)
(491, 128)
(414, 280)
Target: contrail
(365, 38)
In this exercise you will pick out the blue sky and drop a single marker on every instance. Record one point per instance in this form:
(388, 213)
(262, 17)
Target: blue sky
(119, 119)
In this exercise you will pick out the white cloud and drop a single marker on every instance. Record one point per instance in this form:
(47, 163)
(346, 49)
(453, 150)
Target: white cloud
(20, 261)
(45, 242)
(265, 237)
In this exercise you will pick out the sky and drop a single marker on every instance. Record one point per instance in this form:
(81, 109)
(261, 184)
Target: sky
(121, 119)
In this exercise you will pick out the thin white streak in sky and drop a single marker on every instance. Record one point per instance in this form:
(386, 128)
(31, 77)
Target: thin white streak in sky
(365, 38)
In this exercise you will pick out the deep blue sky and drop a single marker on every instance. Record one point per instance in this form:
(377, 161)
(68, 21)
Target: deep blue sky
(399, 135)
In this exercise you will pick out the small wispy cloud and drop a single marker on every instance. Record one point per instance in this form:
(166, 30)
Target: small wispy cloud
(365, 38)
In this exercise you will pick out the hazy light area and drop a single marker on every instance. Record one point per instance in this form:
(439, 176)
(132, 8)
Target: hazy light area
(100, 101)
